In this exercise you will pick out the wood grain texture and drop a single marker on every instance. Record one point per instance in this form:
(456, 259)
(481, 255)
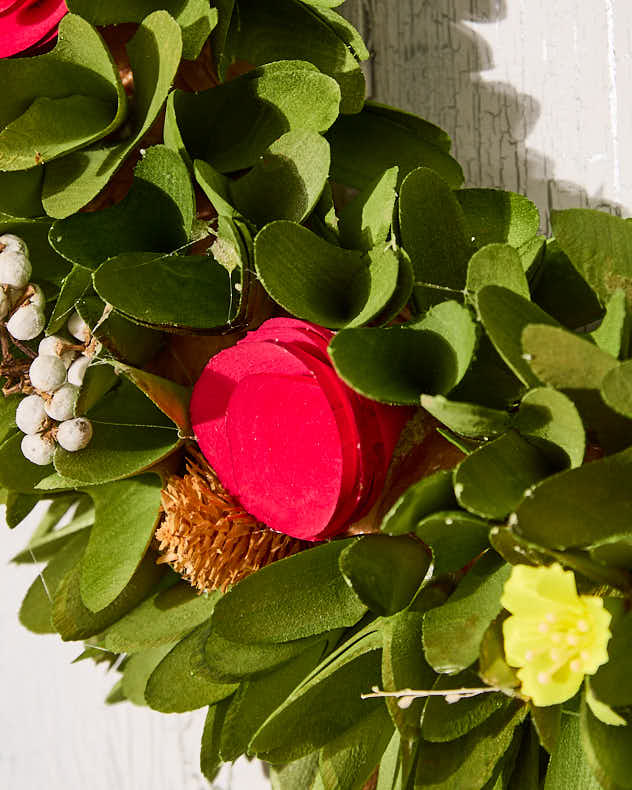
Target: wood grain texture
(536, 97)
(533, 93)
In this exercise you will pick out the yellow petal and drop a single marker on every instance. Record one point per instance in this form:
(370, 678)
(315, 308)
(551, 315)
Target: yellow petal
(559, 687)
(533, 592)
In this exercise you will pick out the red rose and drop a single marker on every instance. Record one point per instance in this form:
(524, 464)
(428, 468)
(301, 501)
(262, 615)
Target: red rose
(300, 450)
(28, 23)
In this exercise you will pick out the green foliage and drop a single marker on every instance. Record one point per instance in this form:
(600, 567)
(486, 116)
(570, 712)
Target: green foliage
(453, 632)
(297, 597)
(154, 53)
(385, 572)
(125, 517)
(349, 214)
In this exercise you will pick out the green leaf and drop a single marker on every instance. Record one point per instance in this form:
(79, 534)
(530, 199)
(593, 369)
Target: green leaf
(547, 723)
(613, 334)
(492, 481)
(348, 762)
(561, 290)
(20, 192)
(435, 236)
(60, 101)
(496, 264)
(18, 507)
(616, 389)
(229, 661)
(301, 773)
(195, 17)
(444, 721)
(74, 285)
(397, 364)
(581, 506)
(73, 620)
(599, 246)
(550, 420)
(612, 683)
(495, 216)
(258, 698)
(155, 216)
(210, 761)
(36, 609)
(123, 339)
(130, 435)
(8, 406)
(492, 664)
(315, 714)
(269, 30)
(230, 126)
(468, 419)
(154, 53)
(404, 667)
(321, 282)
(366, 221)
(164, 618)
(607, 750)
(469, 761)
(453, 632)
(172, 399)
(286, 181)
(137, 671)
(569, 766)
(364, 145)
(16, 473)
(577, 367)
(385, 572)
(126, 514)
(173, 687)
(296, 597)
(454, 537)
(431, 493)
(47, 537)
(142, 285)
(505, 314)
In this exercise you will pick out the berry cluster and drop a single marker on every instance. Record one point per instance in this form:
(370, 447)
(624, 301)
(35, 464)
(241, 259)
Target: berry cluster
(47, 415)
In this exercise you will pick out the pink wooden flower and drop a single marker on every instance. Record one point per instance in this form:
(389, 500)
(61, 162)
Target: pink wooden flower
(25, 24)
(299, 449)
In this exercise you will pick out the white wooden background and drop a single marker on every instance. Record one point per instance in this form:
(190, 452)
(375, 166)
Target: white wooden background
(536, 95)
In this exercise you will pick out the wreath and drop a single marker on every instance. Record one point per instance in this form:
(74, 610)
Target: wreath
(332, 446)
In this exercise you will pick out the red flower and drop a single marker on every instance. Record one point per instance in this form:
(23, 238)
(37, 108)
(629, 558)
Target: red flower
(25, 24)
(301, 451)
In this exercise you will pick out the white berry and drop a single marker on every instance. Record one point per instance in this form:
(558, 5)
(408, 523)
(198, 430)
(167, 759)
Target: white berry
(26, 323)
(30, 415)
(77, 371)
(11, 243)
(38, 449)
(37, 298)
(47, 374)
(78, 328)
(75, 434)
(56, 346)
(62, 405)
(15, 269)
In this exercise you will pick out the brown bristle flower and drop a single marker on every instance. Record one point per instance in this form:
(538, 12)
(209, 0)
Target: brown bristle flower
(207, 537)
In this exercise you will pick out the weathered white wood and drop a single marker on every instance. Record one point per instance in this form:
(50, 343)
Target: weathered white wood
(535, 94)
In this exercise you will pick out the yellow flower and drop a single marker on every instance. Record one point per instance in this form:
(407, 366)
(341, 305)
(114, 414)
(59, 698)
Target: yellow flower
(554, 635)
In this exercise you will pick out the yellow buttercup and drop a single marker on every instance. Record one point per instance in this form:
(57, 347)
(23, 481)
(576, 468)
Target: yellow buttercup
(554, 635)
